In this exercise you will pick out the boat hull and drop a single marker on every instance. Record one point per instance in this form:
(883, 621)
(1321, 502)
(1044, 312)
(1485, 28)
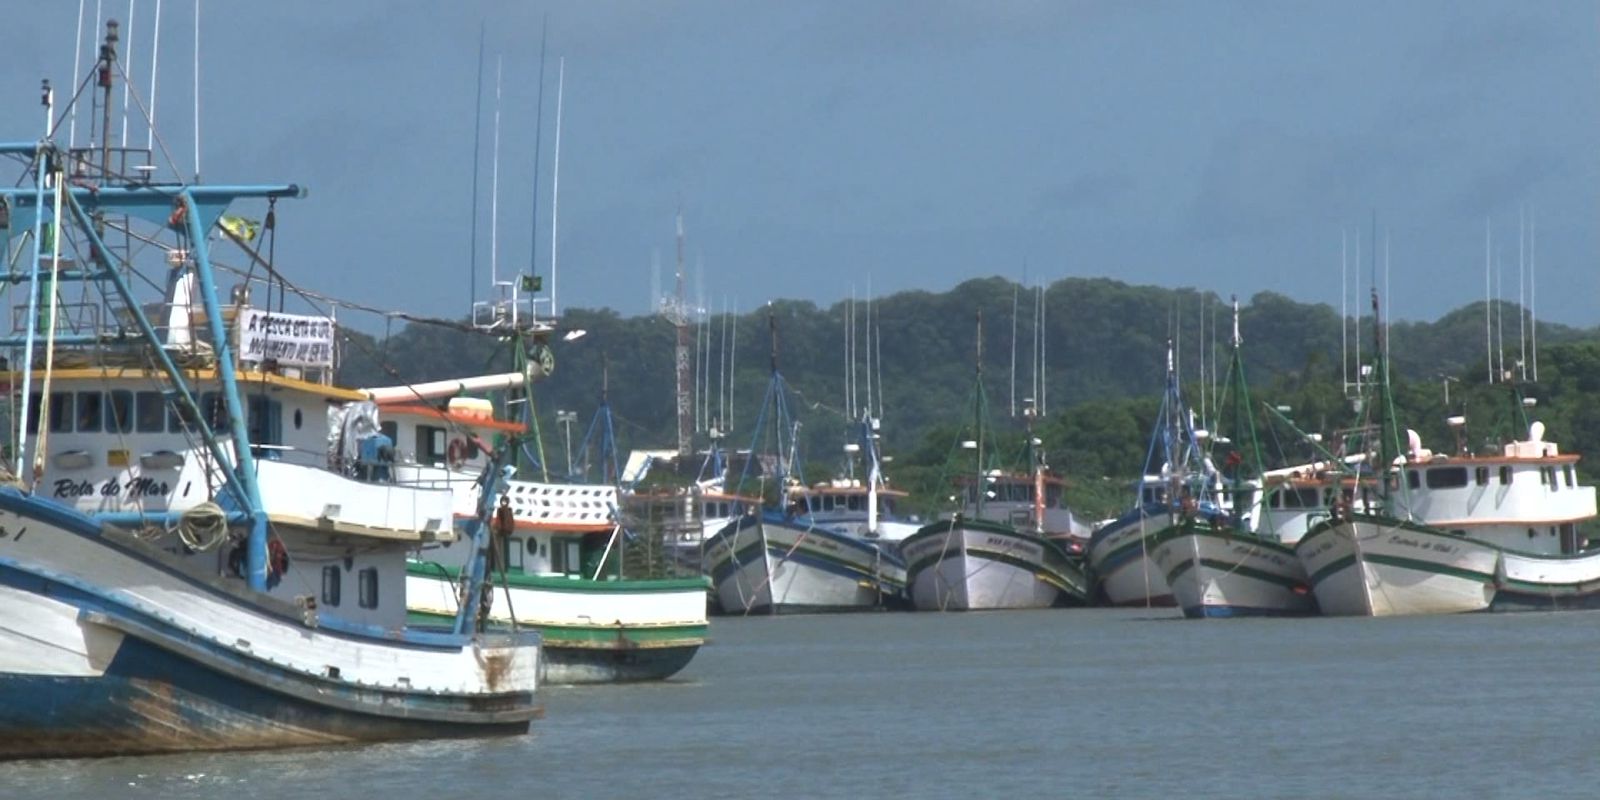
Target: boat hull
(1119, 558)
(1529, 582)
(973, 565)
(1372, 566)
(767, 565)
(107, 649)
(1217, 572)
(593, 631)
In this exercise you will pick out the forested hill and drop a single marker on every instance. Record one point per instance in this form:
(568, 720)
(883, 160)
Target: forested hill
(1105, 351)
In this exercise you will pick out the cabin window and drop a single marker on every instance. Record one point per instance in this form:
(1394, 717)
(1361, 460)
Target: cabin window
(368, 580)
(855, 502)
(1480, 476)
(388, 428)
(1554, 484)
(431, 445)
(1275, 500)
(511, 556)
(1505, 475)
(1413, 479)
(722, 509)
(330, 585)
(91, 412)
(300, 419)
(149, 412)
(1447, 478)
(119, 411)
(33, 412)
(1567, 472)
(216, 410)
(266, 420)
(566, 555)
(61, 412)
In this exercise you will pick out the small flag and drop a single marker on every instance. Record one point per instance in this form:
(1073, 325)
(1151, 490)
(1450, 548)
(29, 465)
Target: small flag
(240, 227)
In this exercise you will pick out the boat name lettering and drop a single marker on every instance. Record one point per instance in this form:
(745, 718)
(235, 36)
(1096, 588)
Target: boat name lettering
(1440, 547)
(5, 533)
(135, 487)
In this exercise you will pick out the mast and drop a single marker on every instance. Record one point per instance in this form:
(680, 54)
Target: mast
(676, 312)
(977, 411)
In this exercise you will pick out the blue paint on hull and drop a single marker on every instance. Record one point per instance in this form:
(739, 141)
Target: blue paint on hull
(152, 701)
(1226, 612)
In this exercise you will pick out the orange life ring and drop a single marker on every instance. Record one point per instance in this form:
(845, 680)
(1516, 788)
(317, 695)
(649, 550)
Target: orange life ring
(456, 453)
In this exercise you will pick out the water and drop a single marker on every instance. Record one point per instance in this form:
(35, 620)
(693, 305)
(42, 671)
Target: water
(1051, 703)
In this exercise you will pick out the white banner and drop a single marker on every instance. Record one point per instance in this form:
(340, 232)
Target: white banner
(292, 340)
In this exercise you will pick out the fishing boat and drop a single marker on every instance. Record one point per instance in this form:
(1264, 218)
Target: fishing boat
(973, 562)
(783, 559)
(1458, 533)
(561, 563)
(1234, 561)
(177, 532)
(1175, 469)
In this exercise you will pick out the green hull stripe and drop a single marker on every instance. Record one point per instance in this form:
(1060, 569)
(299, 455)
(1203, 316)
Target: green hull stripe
(594, 637)
(1332, 567)
(565, 584)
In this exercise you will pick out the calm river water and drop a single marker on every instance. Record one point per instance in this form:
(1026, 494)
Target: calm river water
(1092, 703)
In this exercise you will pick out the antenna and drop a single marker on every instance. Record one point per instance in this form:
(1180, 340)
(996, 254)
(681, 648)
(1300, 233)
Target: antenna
(77, 61)
(1044, 378)
(1533, 290)
(196, 91)
(1357, 322)
(494, 181)
(1488, 300)
(555, 183)
(1522, 308)
(869, 347)
(127, 63)
(1344, 308)
(850, 355)
(1016, 290)
(477, 162)
(155, 56)
(538, 151)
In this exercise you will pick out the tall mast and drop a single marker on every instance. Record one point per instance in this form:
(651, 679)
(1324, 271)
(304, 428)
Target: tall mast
(678, 314)
(555, 185)
(977, 411)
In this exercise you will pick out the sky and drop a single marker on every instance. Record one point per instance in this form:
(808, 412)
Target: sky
(819, 150)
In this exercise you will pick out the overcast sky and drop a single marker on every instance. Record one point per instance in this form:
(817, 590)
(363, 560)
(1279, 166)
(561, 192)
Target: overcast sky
(816, 146)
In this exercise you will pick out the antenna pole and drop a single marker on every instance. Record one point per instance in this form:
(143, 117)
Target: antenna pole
(196, 91)
(127, 56)
(1533, 290)
(1522, 308)
(477, 160)
(494, 181)
(155, 57)
(1488, 299)
(555, 183)
(538, 149)
(1016, 291)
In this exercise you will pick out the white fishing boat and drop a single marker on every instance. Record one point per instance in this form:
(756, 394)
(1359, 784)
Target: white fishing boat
(1467, 533)
(1456, 533)
(1120, 550)
(972, 561)
(173, 553)
(1221, 554)
(783, 560)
